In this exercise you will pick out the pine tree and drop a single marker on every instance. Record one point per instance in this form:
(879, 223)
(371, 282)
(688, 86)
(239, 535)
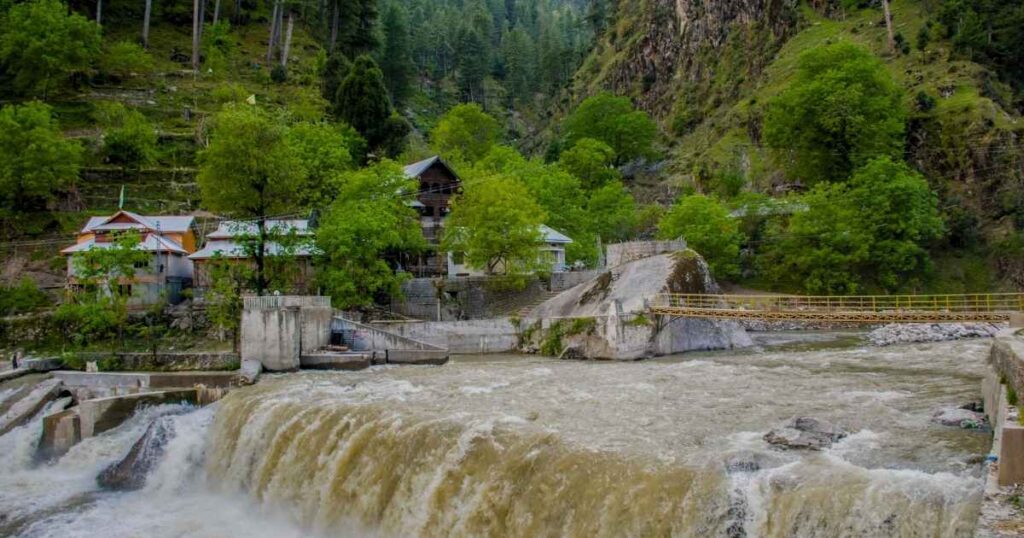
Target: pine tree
(362, 101)
(396, 63)
(473, 64)
(520, 55)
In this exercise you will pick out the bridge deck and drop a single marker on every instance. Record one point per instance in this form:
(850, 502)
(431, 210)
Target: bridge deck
(990, 307)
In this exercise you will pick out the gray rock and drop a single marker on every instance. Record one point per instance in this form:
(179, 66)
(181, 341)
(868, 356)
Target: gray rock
(805, 433)
(904, 333)
(130, 473)
(960, 418)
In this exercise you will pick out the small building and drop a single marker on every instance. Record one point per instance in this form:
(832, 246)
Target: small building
(170, 239)
(227, 242)
(552, 255)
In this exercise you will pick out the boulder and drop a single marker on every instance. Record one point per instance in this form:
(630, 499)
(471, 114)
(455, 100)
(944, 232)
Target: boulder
(959, 417)
(130, 473)
(805, 433)
(607, 317)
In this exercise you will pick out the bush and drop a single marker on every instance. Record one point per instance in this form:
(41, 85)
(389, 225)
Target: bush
(707, 227)
(124, 58)
(130, 140)
(22, 297)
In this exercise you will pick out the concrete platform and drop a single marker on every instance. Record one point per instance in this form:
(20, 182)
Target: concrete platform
(102, 414)
(336, 361)
(417, 356)
(89, 385)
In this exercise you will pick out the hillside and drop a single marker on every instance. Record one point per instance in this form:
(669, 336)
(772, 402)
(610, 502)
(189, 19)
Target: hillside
(706, 72)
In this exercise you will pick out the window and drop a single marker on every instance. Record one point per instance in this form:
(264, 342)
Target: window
(142, 265)
(458, 258)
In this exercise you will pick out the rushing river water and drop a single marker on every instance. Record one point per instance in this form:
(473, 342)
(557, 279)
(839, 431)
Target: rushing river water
(528, 446)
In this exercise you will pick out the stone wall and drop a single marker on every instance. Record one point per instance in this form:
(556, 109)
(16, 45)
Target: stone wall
(620, 253)
(163, 361)
(567, 279)
(464, 298)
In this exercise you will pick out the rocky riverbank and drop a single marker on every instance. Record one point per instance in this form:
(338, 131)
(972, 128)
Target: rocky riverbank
(906, 333)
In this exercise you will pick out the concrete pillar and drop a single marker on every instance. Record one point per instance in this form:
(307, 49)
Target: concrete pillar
(315, 331)
(272, 336)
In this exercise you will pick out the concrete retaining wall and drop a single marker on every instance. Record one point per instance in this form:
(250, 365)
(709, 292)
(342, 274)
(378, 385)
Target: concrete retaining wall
(277, 329)
(1007, 360)
(565, 280)
(165, 361)
(88, 385)
(375, 338)
(470, 336)
(99, 415)
(464, 298)
(620, 253)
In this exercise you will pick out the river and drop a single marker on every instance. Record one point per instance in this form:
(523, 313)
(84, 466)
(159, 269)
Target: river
(530, 446)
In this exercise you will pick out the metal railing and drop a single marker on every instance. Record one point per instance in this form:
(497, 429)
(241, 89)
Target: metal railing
(269, 302)
(852, 308)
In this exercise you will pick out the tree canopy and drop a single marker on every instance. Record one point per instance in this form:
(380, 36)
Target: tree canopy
(495, 224)
(591, 161)
(129, 139)
(248, 171)
(368, 220)
(868, 233)
(324, 151)
(842, 109)
(36, 161)
(41, 42)
(706, 226)
(465, 133)
(612, 120)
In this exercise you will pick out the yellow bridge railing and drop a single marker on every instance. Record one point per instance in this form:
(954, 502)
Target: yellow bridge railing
(844, 308)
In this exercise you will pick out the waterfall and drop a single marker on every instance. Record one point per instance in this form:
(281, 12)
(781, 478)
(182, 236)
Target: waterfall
(343, 466)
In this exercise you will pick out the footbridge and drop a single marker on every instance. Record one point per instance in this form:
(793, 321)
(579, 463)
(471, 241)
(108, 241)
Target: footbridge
(984, 307)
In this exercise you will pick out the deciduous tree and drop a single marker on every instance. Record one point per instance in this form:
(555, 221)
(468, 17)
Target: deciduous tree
(36, 161)
(707, 228)
(842, 110)
(248, 171)
(465, 133)
(614, 121)
(591, 161)
(368, 219)
(41, 43)
(495, 223)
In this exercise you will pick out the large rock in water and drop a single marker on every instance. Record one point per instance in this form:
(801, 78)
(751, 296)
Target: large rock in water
(130, 473)
(610, 318)
(805, 433)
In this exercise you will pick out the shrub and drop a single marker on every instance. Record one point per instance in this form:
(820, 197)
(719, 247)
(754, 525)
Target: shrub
(124, 58)
(25, 296)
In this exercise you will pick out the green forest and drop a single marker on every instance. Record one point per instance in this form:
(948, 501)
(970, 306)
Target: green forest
(826, 147)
